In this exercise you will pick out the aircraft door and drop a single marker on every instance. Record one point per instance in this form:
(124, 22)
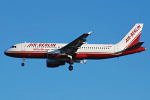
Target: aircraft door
(23, 46)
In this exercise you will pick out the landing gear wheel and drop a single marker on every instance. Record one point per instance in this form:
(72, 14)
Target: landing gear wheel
(70, 68)
(22, 64)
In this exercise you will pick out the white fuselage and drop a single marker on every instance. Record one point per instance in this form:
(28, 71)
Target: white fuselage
(29, 50)
(86, 51)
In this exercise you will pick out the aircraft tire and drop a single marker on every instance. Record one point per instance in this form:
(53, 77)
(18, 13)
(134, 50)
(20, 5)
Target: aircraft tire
(22, 64)
(70, 68)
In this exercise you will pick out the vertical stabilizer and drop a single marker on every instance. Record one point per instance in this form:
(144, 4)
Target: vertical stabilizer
(131, 38)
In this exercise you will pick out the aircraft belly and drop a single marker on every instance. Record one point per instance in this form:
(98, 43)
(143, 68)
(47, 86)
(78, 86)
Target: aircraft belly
(27, 54)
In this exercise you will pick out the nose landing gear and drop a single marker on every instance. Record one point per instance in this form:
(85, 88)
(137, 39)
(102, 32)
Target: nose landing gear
(22, 64)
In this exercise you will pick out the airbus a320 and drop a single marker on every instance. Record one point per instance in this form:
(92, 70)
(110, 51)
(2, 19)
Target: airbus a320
(78, 50)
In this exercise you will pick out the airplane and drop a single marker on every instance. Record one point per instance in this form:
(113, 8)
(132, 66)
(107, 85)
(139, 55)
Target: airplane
(78, 50)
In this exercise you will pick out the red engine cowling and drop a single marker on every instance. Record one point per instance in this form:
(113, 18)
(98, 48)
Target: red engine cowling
(54, 63)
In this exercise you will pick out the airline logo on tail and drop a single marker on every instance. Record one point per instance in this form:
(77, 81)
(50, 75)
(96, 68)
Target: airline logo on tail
(133, 33)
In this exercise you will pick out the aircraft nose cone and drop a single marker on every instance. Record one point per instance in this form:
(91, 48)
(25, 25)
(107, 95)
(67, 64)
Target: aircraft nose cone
(5, 52)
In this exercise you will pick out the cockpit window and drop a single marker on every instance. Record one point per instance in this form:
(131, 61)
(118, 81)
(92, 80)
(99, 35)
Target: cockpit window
(13, 46)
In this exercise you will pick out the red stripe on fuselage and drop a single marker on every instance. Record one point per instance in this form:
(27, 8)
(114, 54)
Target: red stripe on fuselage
(79, 55)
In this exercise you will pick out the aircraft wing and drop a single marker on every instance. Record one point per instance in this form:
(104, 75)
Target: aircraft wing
(73, 46)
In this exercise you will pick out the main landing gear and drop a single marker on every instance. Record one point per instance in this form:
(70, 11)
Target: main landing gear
(22, 64)
(71, 67)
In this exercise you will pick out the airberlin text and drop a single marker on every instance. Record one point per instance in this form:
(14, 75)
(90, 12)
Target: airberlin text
(42, 44)
(133, 33)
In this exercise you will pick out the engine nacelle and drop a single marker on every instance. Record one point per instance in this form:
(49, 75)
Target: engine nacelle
(54, 63)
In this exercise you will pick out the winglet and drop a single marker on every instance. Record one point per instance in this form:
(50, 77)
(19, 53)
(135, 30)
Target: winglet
(90, 33)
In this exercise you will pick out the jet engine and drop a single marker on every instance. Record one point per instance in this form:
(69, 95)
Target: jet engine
(54, 63)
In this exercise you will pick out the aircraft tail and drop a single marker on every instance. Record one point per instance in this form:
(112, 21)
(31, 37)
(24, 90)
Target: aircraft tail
(131, 39)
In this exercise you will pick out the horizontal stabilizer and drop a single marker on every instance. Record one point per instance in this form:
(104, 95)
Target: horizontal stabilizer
(136, 46)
